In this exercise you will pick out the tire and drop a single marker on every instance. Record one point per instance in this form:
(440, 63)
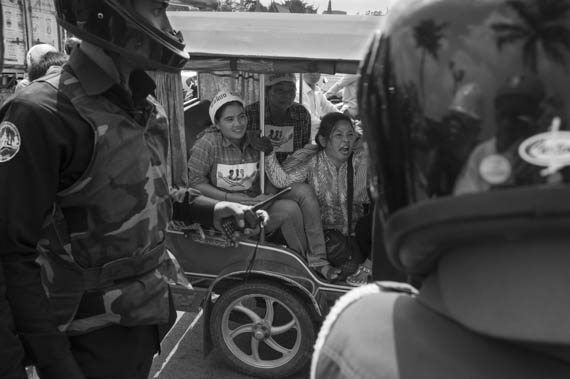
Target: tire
(262, 329)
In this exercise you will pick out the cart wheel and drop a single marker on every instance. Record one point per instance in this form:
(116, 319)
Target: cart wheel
(262, 329)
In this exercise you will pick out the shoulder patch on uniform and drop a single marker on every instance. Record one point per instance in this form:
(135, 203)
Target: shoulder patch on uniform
(10, 141)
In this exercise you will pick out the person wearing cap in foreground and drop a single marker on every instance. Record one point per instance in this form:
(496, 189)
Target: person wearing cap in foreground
(33, 58)
(491, 266)
(517, 106)
(456, 135)
(287, 123)
(83, 167)
(224, 165)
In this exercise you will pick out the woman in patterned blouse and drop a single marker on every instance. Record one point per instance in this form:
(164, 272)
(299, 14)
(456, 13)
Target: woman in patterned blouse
(324, 166)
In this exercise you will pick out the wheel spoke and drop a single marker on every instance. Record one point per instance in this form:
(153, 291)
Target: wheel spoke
(275, 346)
(255, 349)
(270, 310)
(248, 312)
(276, 330)
(247, 328)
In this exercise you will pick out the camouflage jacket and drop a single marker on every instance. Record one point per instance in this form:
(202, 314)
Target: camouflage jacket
(105, 235)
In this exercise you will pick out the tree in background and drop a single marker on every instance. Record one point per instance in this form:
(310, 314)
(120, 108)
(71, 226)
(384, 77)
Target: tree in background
(294, 6)
(299, 6)
(241, 6)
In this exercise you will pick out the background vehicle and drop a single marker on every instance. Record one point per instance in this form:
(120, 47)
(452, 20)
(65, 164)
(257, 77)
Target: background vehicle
(25, 23)
(262, 305)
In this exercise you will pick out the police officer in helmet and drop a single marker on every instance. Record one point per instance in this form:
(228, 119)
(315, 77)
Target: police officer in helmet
(489, 264)
(83, 167)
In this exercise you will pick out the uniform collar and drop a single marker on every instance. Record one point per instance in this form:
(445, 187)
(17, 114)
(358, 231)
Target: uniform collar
(98, 74)
(88, 64)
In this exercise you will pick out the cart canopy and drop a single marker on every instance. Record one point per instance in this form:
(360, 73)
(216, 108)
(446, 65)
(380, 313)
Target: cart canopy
(274, 42)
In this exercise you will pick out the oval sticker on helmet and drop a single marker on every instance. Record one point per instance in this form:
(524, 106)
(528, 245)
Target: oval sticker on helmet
(9, 141)
(495, 169)
(551, 149)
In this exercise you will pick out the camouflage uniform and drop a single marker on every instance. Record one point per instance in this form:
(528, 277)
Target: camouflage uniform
(105, 234)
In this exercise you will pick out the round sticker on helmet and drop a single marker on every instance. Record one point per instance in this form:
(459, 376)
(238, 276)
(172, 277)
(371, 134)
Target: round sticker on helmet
(9, 141)
(495, 169)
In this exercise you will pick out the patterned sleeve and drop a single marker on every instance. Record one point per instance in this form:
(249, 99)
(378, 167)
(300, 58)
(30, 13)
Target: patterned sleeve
(202, 157)
(279, 177)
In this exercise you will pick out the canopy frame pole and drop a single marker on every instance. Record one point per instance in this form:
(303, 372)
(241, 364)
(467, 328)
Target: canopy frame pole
(262, 131)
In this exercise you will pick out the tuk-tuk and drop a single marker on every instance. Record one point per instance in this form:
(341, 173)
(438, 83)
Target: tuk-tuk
(262, 304)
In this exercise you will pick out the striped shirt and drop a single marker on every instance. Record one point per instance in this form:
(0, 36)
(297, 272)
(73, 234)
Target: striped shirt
(329, 183)
(299, 121)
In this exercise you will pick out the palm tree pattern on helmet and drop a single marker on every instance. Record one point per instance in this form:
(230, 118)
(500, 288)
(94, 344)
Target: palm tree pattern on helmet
(541, 26)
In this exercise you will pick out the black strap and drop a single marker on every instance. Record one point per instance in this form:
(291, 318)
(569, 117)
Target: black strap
(349, 192)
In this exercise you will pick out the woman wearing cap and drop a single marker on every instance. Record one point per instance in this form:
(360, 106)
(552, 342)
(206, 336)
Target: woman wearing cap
(224, 165)
(324, 166)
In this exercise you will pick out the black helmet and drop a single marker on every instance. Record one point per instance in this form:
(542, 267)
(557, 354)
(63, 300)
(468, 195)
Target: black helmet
(112, 24)
(464, 99)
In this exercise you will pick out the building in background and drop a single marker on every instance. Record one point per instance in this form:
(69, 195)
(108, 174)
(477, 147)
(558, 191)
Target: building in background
(331, 11)
(25, 23)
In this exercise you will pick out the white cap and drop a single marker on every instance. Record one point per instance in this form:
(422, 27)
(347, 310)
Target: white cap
(277, 78)
(221, 98)
(36, 53)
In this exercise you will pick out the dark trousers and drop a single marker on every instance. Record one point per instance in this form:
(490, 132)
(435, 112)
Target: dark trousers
(116, 352)
(11, 351)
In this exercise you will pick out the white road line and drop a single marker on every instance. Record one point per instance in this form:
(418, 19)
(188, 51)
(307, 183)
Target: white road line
(175, 348)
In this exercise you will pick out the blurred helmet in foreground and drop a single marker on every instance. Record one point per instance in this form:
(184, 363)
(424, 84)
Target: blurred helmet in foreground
(465, 108)
(496, 63)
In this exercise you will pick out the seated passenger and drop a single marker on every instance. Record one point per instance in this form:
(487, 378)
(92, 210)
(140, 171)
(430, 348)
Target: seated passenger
(224, 165)
(287, 123)
(324, 166)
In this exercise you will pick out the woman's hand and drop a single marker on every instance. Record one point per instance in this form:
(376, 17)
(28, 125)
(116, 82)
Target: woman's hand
(261, 143)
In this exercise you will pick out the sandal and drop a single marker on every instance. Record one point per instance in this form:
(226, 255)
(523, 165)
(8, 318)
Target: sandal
(328, 272)
(361, 277)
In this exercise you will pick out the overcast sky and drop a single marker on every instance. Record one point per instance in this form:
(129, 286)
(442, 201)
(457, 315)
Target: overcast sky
(350, 6)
